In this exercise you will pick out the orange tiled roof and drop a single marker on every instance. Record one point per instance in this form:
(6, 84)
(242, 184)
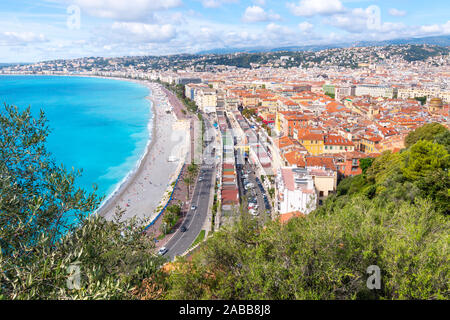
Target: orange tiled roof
(285, 217)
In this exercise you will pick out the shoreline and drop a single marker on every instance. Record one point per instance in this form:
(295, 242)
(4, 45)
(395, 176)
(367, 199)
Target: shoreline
(128, 179)
(144, 203)
(161, 127)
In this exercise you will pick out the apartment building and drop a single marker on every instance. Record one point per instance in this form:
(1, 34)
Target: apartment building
(206, 99)
(295, 191)
(376, 91)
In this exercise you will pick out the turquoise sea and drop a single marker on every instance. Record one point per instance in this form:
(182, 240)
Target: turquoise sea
(99, 125)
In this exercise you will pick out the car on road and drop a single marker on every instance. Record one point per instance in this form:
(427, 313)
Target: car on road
(183, 229)
(162, 251)
(250, 185)
(200, 179)
(245, 176)
(193, 207)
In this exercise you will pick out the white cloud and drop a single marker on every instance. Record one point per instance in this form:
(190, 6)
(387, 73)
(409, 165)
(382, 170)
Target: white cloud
(305, 26)
(257, 14)
(358, 21)
(397, 13)
(146, 33)
(436, 28)
(10, 38)
(216, 3)
(308, 8)
(125, 10)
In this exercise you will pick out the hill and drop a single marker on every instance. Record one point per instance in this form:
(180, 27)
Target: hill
(443, 41)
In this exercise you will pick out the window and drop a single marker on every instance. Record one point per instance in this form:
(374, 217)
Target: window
(320, 193)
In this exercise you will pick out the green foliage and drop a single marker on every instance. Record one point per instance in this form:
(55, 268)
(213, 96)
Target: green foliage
(323, 257)
(422, 100)
(248, 113)
(113, 258)
(200, 238)
(37, 242)
(36, 195)
(365, 163)
(443, 139)
(331, 95)
(426, 132)
(423, 158)
(170, 218)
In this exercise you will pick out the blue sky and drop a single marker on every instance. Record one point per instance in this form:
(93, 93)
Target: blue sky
(36, 30)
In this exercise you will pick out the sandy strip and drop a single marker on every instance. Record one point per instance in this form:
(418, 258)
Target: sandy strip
(141, 193)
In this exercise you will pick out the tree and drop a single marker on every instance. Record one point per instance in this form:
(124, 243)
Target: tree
(393, 216)
(422, 100)
(425, 157)
(443, 139)
(427, 132)
(175, 209)
(192, 169)
(188, 182)
(365, 163)
(38, 241)
(321, 257)
(37, 196)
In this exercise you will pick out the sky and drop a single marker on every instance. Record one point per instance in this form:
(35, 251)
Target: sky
(39, 30)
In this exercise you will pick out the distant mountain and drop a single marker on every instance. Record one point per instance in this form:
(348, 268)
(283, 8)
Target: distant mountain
(443, 41)
(12, 64)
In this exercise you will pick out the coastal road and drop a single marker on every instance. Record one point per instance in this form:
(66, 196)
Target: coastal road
(195, 219)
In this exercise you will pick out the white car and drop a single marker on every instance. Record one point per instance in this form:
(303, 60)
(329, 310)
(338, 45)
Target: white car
(162, 251)
(253, 212)
(250, 185)
(193, 207)
(252, 205)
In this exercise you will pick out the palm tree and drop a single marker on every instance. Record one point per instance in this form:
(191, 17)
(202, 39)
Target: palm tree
(188, 181)
(192, 169)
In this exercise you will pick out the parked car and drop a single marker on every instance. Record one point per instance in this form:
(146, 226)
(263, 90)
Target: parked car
(193, 207)
(249, 185)
(245, 176)
(162, 251)
(183, 229)
(253, 212)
